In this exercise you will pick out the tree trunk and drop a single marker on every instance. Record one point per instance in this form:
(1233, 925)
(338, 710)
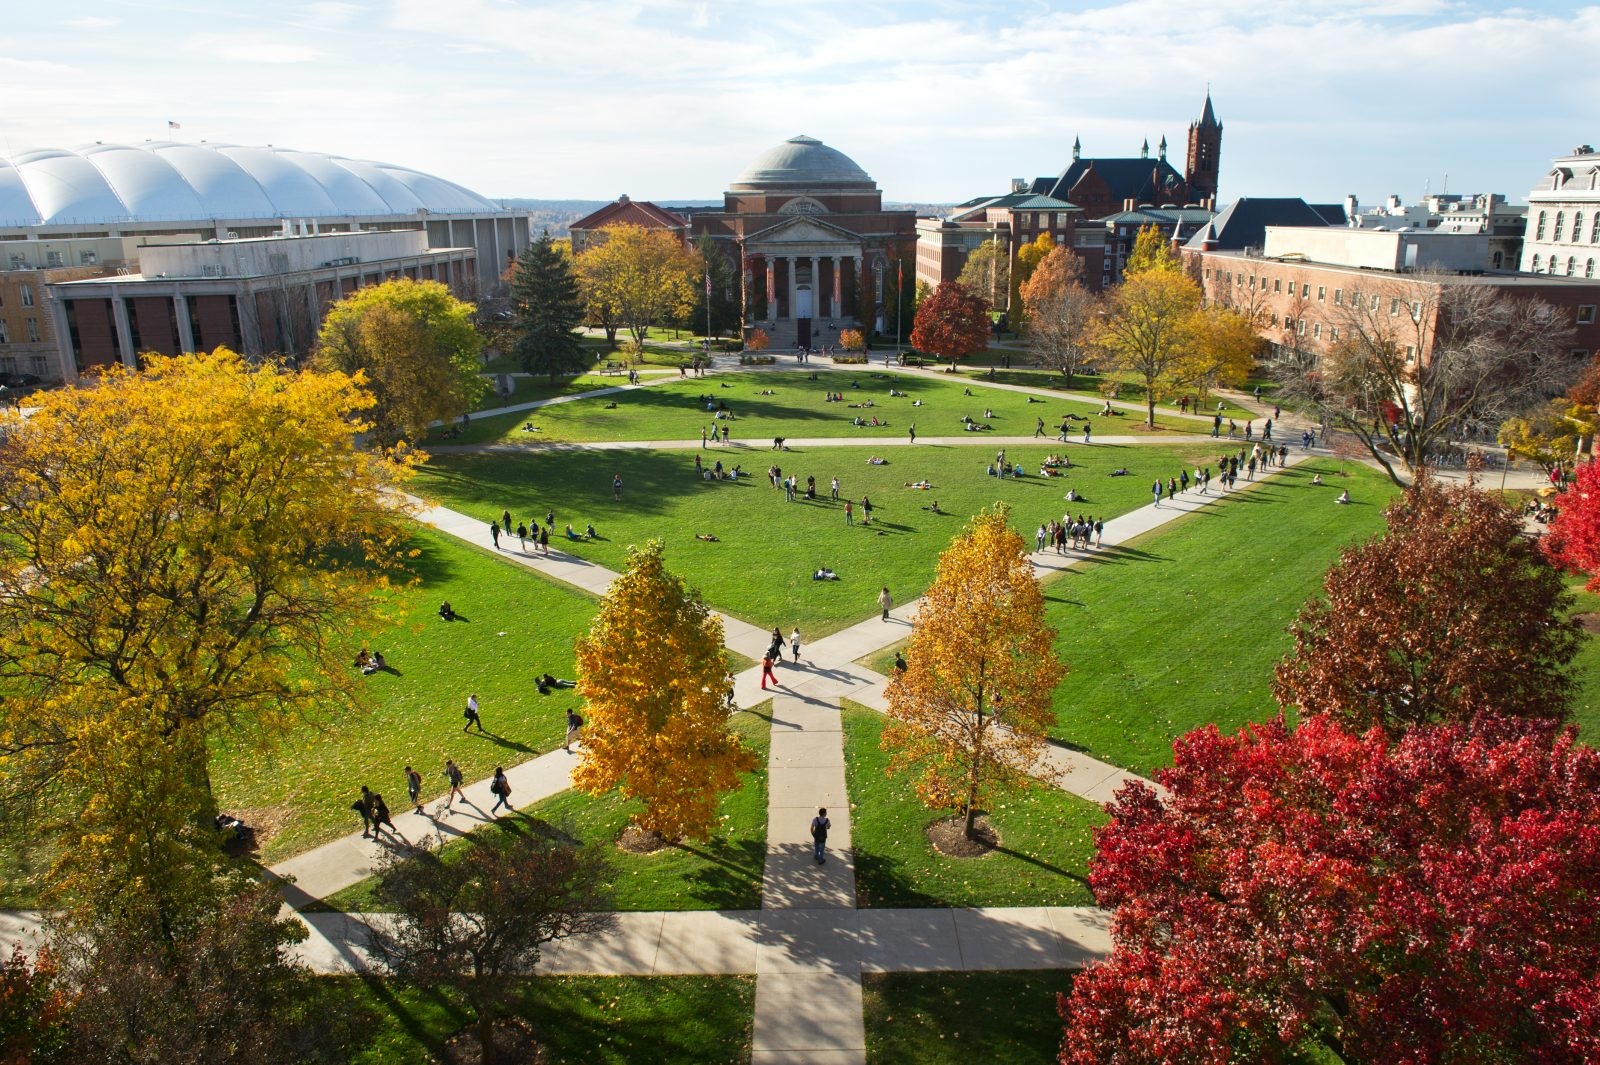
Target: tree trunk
(972, 780)
(1150, 406)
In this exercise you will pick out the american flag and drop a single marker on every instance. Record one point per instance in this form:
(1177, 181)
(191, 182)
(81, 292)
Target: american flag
(708, 282)
(173, 125)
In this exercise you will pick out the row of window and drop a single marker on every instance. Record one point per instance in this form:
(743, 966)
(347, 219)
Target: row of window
(1228, 277)
(29, 324)
(1554, 266)
(1560, 227)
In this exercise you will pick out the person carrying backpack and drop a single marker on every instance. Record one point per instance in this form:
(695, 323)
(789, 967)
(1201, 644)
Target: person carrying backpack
(502, 790)
(574, 724)
(819, 834)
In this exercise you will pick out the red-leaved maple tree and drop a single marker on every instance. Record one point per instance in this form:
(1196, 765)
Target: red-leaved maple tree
(1450, 612)
(1573, 540)
(1327, 895)
(952, 323)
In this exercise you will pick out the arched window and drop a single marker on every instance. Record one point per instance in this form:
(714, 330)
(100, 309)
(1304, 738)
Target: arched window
(1536, 264)
(1577, 227)
(1594, 229)
(1588, 271)
(1561, 216)
(1538, 234)
(1551, 270)
(1572, 266)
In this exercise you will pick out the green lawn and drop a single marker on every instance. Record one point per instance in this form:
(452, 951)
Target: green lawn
(723, 873)
(584, 1020)
(673, 410)
(1087, 386)
(960, 1018)
(760, 569)
(516, 625)
(528, 389)
(1185, 626)
(1045, 839)
(1586, 667)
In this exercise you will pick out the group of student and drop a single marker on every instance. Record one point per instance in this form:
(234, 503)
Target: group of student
(1075, 533)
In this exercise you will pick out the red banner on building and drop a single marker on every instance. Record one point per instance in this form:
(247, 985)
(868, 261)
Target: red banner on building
(838, 277)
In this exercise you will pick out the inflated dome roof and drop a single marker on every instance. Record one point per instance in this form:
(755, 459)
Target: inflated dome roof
(802, 161)
(164, 181)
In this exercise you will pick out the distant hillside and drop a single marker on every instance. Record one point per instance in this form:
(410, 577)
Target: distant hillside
(558, 215)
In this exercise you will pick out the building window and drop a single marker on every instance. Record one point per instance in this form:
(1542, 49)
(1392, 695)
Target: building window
(33, 329)
(1338, 297)
(27, 295)
(1538, 233)
(1277, 284)
(5, 334)
(1411, 353)
(1551, 269)
(1594, 229)
(1322, 293)
(1333, 333)
(1305, 290)
(1376, 301)
(1498, 259)
(1588, 271)
(1300, 327)
(1316, 331)
(1416, 310)
(1577, 227)
(52, 258)
(1586, 314)
(1394, 307)
(1561, 217)
(1536, 264)
(87, 258)
(1572, 266)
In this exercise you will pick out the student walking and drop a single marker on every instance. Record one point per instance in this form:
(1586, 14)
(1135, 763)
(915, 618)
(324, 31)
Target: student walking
(766, 670)
(522, 536)
(502, 788)
(363, 806)
(912, 429)
(724, 434)
(471, 714)
(819, 835)
(885, 602)
(1085, 432)
(452, 773)
(702, 438)
(1155, 489)
(380, 816)
(835, 489)
(1038, 430)
(794, 644)
(1099, 530)
(574, 725)
(544, 541)
(414, 788)
(494, 535)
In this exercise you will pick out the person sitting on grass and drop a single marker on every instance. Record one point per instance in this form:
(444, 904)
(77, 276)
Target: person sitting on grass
(589, 533)
(529, 427)
(857, 421)
(547, 684)
(991, 470)
(710, 538)
(363, 660)
(610, 406)
(1317, 479)
(378, 664)
(570, 534)
(933, 508)
(446, 612)
(1017, 472)
(919, 484)
(1344, 496)
(1120, 471)
(823, 573)
(876, 461)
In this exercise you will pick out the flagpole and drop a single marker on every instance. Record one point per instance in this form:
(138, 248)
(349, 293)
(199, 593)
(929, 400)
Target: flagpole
(899, 304)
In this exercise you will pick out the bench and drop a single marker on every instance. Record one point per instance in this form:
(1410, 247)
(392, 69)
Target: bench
(611, 369)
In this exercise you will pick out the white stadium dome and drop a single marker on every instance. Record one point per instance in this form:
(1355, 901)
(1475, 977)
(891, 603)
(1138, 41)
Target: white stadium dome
(167, 181)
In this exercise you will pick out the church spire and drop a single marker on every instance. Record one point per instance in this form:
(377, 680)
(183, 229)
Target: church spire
(1077, 147)
(1144, 150)
(1163, 148)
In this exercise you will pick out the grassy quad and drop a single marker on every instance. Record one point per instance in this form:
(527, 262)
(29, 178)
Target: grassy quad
(670, 411)
(768, 549)
(516, 625)
(956, 1018)
(722, 874)
(1184, 627)
(1045, 835)
(592, 1020)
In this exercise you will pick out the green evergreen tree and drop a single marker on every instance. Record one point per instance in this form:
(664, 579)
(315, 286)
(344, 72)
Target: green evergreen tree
(547, 311)
(724, 290)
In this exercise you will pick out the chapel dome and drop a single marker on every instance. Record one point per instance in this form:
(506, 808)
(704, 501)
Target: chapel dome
(802, 161)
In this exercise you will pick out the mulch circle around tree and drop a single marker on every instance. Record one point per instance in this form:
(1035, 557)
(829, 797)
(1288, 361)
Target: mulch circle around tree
(636, 840)
(1589, 621)
(949, 837)
(513, 1041)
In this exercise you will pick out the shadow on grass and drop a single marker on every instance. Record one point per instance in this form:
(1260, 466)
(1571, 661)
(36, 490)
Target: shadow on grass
(734, 867)
(880, 882)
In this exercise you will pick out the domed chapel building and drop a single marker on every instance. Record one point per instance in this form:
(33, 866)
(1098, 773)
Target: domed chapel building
(808, 228)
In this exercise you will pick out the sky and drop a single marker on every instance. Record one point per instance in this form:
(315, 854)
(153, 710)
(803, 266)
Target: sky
(939, 100)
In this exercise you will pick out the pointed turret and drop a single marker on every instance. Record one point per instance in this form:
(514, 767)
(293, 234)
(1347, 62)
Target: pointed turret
(1077, 147)
(1208, 117)
(1163, 149)
(1144, 149)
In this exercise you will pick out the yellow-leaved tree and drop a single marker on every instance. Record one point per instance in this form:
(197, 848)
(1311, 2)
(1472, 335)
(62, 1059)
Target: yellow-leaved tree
(653, 672)
(971, 711)
(636, 277)
(418, 348)
(187, 553)
(1149, 330)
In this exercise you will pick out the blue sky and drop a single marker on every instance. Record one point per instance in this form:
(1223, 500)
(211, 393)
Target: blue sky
(939, 100)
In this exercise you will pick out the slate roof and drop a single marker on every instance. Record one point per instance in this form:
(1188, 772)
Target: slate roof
(1140, 180)
(1243, 223)
(632, 212)
(1014, 201)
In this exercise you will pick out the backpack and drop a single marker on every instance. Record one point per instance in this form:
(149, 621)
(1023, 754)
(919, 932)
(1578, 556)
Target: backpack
(467, 713)
(577, 720)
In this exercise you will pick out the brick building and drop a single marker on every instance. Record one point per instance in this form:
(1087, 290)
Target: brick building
(624, 211)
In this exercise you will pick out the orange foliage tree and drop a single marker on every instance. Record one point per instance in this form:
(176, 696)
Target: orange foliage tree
(851, 340)
(971, 710)
(1448, 614)
(952, 323)
(653, 671)
(757, 340)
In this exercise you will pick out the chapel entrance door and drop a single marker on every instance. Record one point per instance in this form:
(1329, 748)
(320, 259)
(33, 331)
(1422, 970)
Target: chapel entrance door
(802, 332)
